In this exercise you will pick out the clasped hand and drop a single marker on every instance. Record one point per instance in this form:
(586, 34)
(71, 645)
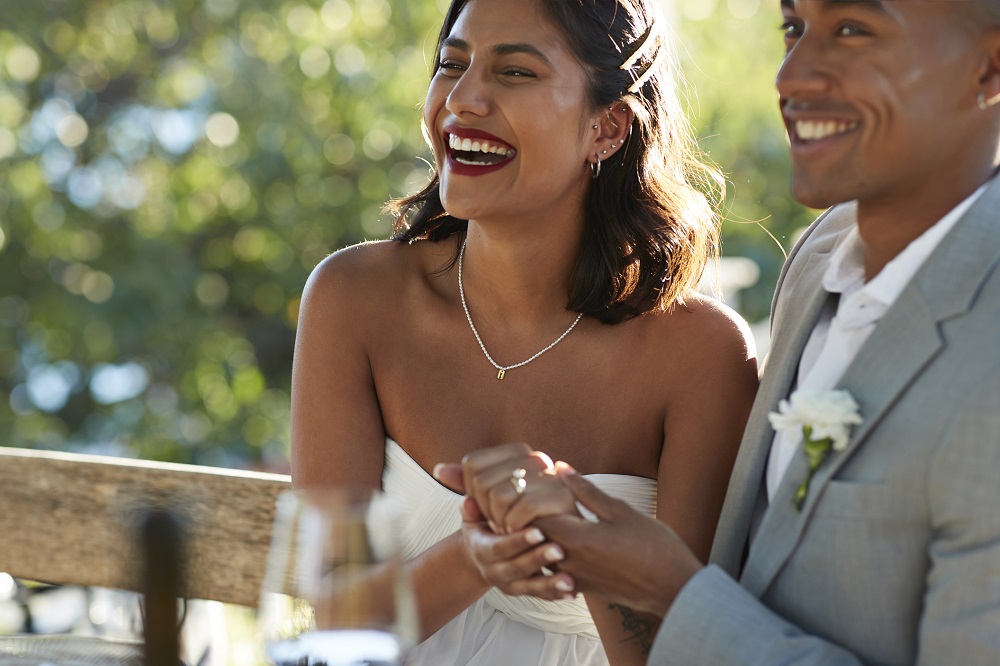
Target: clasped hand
(530, 539)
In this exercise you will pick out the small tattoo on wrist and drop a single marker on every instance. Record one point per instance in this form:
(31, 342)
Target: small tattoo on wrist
(639, 630)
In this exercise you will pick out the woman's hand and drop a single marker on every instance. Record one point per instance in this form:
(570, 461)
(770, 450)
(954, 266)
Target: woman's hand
(514, 562)
(511, 485)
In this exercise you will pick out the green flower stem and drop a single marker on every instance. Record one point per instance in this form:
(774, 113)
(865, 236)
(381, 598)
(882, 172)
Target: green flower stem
(816, 452)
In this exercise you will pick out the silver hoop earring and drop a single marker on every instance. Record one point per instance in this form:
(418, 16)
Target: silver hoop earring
(595, 169)
(981, 101)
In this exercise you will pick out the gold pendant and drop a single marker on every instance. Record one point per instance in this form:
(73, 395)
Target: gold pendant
(501, 374)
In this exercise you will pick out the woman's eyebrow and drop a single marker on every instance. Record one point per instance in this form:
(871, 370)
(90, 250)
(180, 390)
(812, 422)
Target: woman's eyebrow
(499, 49)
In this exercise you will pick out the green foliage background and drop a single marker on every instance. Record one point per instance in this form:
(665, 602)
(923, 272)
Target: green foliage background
(170, 173)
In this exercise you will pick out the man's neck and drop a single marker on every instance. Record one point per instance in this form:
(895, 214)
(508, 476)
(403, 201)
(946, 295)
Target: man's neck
(887, 226)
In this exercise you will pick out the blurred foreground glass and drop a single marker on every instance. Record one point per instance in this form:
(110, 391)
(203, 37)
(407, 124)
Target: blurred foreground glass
(335, 592)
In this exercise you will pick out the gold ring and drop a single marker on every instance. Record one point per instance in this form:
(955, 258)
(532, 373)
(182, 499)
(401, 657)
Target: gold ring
(517, 480)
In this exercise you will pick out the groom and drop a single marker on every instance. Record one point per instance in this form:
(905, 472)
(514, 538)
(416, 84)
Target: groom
(893, 554)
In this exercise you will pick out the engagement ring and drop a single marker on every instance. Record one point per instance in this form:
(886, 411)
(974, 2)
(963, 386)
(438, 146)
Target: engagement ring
(517, 480)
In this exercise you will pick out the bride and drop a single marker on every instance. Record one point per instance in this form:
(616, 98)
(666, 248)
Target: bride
(539, 290)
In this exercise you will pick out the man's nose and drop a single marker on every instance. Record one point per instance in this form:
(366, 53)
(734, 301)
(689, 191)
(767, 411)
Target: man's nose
(806, 69)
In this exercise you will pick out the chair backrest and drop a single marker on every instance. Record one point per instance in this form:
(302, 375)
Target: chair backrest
(71, 519)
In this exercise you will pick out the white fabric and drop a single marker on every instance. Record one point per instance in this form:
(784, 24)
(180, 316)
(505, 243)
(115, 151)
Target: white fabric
(836, 339)
(497, 630)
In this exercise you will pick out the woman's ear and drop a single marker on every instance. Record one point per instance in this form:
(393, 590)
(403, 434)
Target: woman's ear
(611, 127)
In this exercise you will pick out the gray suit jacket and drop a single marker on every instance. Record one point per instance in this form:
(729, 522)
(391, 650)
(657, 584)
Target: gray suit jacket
(895, 557)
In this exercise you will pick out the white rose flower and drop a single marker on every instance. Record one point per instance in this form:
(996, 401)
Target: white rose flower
(824, 418)
(828, 414)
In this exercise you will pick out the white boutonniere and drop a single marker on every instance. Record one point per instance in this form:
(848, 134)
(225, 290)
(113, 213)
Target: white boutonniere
(825, 419)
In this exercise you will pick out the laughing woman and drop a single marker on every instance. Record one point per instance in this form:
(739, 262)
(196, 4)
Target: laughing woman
(540, 289)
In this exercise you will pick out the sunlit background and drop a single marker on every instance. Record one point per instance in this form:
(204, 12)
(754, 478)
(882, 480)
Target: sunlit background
(170, 172)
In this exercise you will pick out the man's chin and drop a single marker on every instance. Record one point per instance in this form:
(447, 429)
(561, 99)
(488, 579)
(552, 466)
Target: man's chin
(819, 197)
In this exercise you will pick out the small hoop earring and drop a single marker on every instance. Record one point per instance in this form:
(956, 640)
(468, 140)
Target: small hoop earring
(595, 169)
(981, 101)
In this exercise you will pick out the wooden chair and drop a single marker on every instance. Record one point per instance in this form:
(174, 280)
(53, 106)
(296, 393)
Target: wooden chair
(71, 519)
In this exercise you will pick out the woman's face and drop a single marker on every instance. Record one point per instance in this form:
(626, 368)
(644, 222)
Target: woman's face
(508, 114)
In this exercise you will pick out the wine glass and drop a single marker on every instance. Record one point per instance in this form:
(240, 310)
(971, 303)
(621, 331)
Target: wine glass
(335, 592)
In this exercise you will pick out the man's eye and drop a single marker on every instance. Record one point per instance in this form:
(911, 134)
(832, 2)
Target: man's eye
(791, 29)
(850, 30)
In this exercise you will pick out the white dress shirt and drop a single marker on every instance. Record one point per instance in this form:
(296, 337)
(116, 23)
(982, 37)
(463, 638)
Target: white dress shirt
(836, 338)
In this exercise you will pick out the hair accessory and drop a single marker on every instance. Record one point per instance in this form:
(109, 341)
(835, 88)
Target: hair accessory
(595, 169)
(502, 369)
(640, 50)
(641, 81)
(517, 480)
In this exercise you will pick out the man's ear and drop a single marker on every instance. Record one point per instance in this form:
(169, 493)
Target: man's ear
(989, 73)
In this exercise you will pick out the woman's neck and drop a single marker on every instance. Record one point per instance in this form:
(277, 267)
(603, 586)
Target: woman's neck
(520, 274)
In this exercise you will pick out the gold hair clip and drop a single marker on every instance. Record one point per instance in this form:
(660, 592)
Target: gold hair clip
(641, 50)
(639, 82)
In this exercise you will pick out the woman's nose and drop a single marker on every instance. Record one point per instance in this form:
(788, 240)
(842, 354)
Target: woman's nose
(470, 95)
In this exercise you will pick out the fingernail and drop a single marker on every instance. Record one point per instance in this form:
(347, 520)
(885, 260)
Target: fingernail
(564, 585)
(564, 468)
(437, 470)
(493, 526)
(534, 536)
(554, 554)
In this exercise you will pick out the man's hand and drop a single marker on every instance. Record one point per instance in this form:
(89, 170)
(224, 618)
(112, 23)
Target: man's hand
(627, 557)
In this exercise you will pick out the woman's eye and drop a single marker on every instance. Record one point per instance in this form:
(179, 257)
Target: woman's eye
(450, 67)
(517, 73)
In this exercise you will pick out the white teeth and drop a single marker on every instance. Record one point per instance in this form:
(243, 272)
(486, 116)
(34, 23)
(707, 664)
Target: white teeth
(477, 146)
(472, 162)
(814, 130)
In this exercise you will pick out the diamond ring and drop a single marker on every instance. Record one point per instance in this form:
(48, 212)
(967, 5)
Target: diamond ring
(517, 480)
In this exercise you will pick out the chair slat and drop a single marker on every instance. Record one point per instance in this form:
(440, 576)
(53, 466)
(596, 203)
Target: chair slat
(65, 519)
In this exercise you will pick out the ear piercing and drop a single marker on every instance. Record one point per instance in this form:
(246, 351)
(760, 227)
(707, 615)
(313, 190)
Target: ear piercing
(595, 168)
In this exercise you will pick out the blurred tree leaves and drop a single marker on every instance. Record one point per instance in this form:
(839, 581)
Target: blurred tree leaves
(171, 172)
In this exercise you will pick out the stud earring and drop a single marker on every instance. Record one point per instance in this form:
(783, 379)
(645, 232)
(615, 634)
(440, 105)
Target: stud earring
(981, 101)
(595, 126)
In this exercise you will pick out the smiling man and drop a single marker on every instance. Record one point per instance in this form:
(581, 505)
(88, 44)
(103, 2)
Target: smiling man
(886, 550)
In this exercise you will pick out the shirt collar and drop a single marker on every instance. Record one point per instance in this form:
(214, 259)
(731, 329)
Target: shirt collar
(846, 272)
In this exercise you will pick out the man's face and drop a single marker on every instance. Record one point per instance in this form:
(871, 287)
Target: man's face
(879, 98)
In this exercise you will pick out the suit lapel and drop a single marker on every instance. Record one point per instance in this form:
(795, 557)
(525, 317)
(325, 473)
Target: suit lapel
(782, 367)
(903, 343)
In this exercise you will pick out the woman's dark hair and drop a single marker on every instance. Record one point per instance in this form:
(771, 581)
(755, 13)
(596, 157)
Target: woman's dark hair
(650, 228)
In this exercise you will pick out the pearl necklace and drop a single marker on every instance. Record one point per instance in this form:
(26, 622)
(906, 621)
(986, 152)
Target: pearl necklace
(502, 369)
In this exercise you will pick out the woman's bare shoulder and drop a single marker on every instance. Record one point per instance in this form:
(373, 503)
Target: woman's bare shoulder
(374, 269)
(704, 324)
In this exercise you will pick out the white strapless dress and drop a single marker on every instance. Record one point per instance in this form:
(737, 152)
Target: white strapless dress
(497, 630)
